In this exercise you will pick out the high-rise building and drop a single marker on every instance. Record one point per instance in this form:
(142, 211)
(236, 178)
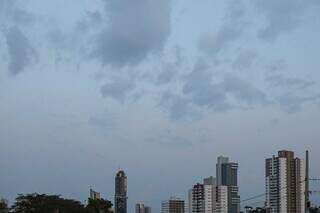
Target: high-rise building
(120, 197)
(189, 201)
(285, 183)
(222, 199)
(147, 209)
(198, 198)
(210, 186)
(220, 161)
(227, 175)
(141, 208)
(173, 205)
(94, 195)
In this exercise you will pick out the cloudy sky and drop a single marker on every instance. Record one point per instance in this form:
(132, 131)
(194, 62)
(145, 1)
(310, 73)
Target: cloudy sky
(159, 88)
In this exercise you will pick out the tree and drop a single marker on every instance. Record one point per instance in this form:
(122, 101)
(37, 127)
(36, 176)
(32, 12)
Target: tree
(314, 209)
(98, 206)
(3, 206)
(42, 203)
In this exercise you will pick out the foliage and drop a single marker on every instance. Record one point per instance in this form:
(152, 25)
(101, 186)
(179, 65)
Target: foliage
(3, 206)
(42, 203)
(98, 206)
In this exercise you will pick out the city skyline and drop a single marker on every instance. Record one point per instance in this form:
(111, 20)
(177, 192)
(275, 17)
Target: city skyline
(158, 88)
(285, 186)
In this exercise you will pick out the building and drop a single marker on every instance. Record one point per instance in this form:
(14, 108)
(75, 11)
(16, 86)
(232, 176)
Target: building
(173, 205)
(120, 197)
(285, 183)
(94, 195)
(141, 208)
(202, 197)
(220, 161)
(210, 186)
(147, 209)
(189, 206)
(227, 175)
(197, 202)
(222, 199)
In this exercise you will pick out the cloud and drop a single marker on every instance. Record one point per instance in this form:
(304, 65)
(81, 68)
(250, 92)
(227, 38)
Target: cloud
(169, 137)
(9, 12)
(244, 60)
(118, 89)
(294, 92)
(177, 106)
(136, 29)
(105, 121)
(280, 80)
(172, 68)
(91, 20)
(203, 91)
(21, 52)
(231, 30)
(282, 16)
(294, 103)
(243, 90)
(166, 75)
(213, 43)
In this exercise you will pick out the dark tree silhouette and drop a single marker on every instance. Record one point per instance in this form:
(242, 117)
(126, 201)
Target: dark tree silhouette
(314, 210)
(99, 206)
(3, 206)
(42, 203)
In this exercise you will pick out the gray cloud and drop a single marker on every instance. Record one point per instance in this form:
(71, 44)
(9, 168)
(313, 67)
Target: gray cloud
(169, 137)
(280, 80)
(118, 89)
(244, 60)
(213, 43)
(166, 75)
(136, 29)
(91, 20)
(171, 69)
(21, 52)
(243, 90)
(231, 29)
(105, 121)
(294, 103)
(282, 16)
(177, 106)
(203, 91)
(9, 12)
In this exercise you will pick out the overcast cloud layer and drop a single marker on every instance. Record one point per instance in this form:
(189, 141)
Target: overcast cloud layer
(150, 86)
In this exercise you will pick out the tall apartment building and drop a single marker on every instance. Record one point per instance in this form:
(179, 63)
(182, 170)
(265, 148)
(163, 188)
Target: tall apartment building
(222, 199)
(197, 202)
(173, 205)
(220, 161)
(189, 201)
(202, 197)
(120, 197)
(285, 183)
(147, 209)
(227, 175)
(210, 194)
(141, 208)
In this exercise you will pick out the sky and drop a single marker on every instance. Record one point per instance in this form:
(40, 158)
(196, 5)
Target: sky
(158, 88)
